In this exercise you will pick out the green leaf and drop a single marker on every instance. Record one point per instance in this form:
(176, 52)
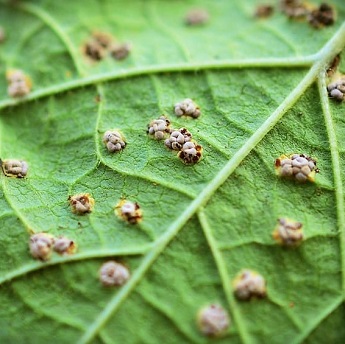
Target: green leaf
(261, 88)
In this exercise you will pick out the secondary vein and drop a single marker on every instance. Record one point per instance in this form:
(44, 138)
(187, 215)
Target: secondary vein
(339, 192)
(88, 254)
(221, 266)
(290, 62)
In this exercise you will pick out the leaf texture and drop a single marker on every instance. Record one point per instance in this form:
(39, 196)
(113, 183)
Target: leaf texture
(261, 88)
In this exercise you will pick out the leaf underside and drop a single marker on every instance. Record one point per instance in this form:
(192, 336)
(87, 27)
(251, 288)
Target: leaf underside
(261, 88)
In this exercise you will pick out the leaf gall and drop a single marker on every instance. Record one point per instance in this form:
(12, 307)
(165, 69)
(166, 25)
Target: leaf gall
(213, 320)
(187, 108)
(178, 138)
(336, 89)
(288, 232)
(14, 168)
(190, 153)
(114, 140)
(248, 284)
(159, 127)
(19, 84)
(113, 274)
(40, 245)
(294, 8)
(94, 50)
(129, 211)
(322, 16)
(81, 203)
(119, 51)
(264, 11)
(296, 166)
(64, 246)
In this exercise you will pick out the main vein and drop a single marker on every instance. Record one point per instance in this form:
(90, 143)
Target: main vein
(332, 48)
(339, 192)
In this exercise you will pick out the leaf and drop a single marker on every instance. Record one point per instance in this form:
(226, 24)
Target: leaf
(261, 87)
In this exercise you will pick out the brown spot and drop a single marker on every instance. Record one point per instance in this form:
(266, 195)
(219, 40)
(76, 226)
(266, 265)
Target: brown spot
(94, 50)
(19, 84)
(119, 51)
(322, 16)
(190, 153)
(103, 38)
(294, 8)
(2, 34)
(196, 17)
(333, 66)
(277, 162)
(291, 304)
(264, 11)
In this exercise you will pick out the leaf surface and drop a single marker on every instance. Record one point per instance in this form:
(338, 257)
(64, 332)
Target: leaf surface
(261, 88)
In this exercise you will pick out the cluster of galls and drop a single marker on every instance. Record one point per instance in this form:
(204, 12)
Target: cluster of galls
(336, 89)
(101, 43)
(159, 127)
(19, 84)
(297, 166)
(187, 108)
(213, 320)
(317, 17)
(190, 153)
(42, 246)
(114, 140)
(179, 140)
(322, 16)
